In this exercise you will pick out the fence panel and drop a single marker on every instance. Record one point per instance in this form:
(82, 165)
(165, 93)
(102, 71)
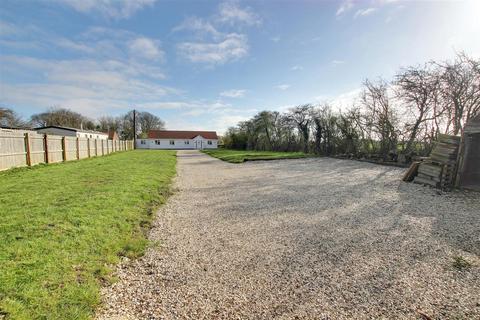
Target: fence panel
(82, 148)
(70, 148)
(104, 147)
(37, 148)
(55, 149)
(12, 151)
(98, 147)
(15, 152)
(92, 147)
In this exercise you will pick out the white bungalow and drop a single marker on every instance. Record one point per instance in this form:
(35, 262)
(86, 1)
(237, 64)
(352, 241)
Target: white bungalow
(170, 139)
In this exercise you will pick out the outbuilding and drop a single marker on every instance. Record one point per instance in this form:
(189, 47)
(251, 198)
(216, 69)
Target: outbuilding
(172, 139)
(72, 132)
(469, 161)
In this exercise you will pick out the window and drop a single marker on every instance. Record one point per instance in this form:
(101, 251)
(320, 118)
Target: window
(209, 142)
(143, 142)
(157, 142)
(172, 142)
(187, 142)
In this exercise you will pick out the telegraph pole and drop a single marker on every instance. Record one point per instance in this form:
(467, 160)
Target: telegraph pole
(134, 129)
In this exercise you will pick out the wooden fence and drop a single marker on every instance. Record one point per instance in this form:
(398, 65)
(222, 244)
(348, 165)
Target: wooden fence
(28, 149)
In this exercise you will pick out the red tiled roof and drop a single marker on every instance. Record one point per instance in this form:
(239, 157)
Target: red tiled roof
(171, 134)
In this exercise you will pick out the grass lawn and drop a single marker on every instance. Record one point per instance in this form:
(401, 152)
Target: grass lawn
(63, 225)
(238, 156)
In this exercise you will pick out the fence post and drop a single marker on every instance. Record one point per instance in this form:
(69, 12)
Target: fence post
(27, 149)
(64, 148)
(88, 147)
(45, 147)
(78, 149)
(96, 148)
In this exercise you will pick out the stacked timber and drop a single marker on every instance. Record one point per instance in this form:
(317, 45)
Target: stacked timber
(438, 170)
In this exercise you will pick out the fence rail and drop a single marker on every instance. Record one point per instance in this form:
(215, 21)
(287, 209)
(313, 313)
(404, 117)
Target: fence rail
(28, 149)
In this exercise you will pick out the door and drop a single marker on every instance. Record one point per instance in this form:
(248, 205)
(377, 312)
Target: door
(199, 144)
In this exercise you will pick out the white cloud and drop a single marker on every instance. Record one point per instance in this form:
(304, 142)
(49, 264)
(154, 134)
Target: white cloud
(225, 121)
(234, 93)
(276, 39)
(233, 47)
(211, 45)
(364, 12)
(388, 1)
(296, 68)
(283, 87)
(344, 7)
(147, 48)
(85, 85)
(7, 28)
(342, 101)
(337, 62)
(73, 45)
(97, 42)
(198, 25)
(231, 13)
(109, 8)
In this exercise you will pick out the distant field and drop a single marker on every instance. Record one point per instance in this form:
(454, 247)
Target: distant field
(62, 225)
(238, 156)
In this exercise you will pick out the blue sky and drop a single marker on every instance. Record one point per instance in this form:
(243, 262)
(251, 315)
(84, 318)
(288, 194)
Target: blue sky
(209, 64)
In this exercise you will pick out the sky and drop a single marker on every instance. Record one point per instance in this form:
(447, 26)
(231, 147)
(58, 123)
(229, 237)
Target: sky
(205, 65)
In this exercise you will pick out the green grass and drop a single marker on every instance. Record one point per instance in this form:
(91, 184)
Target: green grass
(238, 156)
(460, 263)
(63, 226)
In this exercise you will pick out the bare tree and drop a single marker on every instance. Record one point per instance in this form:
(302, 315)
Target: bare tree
(418, 89)
(62, 117)
(460, 87)
(9, 118)
(301, 116)
(317, 118)
(145, 122)
(109, 123)
(434, 98)
(148, 121)
(380, 114)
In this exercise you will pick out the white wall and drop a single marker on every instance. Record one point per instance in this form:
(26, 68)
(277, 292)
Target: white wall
(92, 135)
(197, 143)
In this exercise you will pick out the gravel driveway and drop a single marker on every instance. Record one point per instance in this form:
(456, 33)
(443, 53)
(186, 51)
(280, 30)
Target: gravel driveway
(309, 239)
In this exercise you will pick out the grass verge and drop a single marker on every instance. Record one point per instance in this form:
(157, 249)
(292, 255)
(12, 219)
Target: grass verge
(238, 156)
(62, 225)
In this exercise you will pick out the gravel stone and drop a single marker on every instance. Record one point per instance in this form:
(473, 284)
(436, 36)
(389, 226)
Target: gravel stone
(315, 238)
